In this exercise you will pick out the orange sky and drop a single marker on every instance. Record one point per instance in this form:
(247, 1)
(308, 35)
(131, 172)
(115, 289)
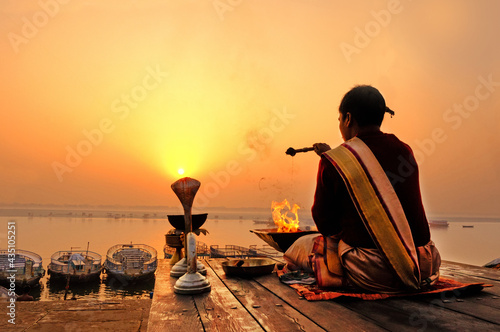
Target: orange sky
(103, 103)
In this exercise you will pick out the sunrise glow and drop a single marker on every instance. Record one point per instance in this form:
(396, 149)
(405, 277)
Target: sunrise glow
(126, 95)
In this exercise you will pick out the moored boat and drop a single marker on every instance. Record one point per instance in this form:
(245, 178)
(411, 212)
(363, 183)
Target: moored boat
(438, 223)
(6, 294)
(494, 264)
(269, 222)
(131, 262)
(202, 250)
(77, 265)
(25, 265)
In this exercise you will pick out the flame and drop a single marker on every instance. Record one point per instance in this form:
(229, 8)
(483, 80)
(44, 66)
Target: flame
(282, 220)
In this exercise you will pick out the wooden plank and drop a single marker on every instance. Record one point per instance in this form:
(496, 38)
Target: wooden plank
(468, 278)
(484, 305)
(476, 271)
(400, 314)
(219, 310)
(443, 312)
(406, 314)
(81, 315)
(170, 311)
(489, 296)
(217, 313)
(330, 315)
(470, 307)
(272, 313)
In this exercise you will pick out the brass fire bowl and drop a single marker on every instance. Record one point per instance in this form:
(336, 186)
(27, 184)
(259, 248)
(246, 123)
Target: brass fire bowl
(248, 268)
(280, 241)
(177, 221)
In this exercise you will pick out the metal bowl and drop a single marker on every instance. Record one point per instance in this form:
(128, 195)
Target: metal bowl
(174, 240)
(177, 220)
(280, 241)
(248, 268)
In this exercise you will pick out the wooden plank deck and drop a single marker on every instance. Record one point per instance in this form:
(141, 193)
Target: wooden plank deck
(265, 304)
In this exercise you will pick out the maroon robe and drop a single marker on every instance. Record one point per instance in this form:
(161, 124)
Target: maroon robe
(334, 212)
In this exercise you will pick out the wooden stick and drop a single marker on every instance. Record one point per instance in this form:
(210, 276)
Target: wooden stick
(292, 152)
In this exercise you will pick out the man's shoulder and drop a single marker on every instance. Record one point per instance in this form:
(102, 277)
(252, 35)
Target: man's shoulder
(326, 167)
(393, 139)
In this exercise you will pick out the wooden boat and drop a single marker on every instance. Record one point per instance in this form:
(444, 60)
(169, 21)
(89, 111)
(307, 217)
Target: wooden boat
(231, 251)
(494, 264)
(202, 250)
(438, 223)
(77, 265)
(268, 222)
(131, 262)
(26, 265)
(467, 226)
(234, 251)
(5, 294)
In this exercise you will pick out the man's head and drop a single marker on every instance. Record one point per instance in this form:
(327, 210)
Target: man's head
(366, 105)
(362, 107)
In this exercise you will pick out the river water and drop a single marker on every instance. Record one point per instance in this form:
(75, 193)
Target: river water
(45, 235)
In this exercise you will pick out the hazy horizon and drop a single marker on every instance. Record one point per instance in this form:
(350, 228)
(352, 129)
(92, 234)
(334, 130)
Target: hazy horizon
(212, 211)
(103, 103)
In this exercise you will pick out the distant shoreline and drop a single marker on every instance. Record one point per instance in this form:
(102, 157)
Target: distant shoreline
(161, 212)
(130, 213)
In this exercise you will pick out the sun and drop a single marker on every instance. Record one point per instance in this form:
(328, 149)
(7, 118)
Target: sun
(180, 171)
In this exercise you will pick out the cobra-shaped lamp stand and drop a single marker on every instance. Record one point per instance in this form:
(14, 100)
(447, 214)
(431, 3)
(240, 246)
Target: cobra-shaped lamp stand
(192, 282)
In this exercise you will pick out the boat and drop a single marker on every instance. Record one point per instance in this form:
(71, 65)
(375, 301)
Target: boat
(439, 223)
(131, 262)
(5, 294)
(26, 265)
(494, 264)
(202, 250)
(467, 226)
(268, 222)
(231, 251)
(76, 265)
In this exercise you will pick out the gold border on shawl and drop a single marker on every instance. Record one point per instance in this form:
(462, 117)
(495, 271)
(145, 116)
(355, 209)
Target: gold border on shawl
(390, 200)
(375, 215)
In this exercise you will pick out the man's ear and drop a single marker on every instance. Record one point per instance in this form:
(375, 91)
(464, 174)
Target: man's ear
(348, 119)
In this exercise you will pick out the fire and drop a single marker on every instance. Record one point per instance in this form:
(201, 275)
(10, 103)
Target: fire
(282, 220)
